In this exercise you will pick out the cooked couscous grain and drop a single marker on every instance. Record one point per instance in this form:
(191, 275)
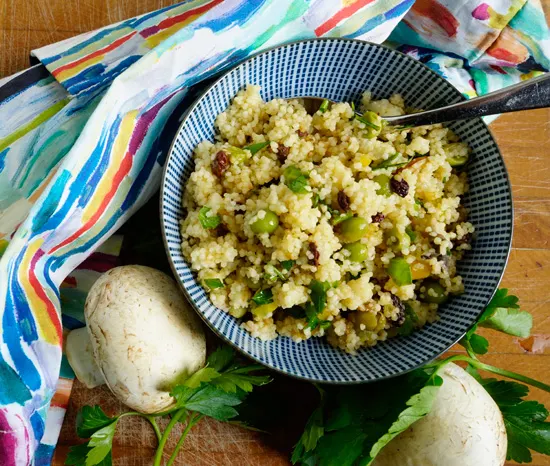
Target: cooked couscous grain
(326, 224)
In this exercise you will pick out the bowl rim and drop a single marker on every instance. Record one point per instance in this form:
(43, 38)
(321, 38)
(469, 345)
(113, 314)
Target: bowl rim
(217, 332)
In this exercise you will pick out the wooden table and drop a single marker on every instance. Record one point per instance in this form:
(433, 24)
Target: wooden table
(524, 140)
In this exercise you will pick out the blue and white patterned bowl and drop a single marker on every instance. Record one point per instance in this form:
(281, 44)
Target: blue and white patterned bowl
(340, 70)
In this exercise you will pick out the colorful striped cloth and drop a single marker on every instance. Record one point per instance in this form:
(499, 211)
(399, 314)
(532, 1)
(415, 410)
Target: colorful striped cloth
(82, 150)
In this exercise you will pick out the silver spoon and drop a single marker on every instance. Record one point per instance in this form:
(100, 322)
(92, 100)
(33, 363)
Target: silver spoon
(534, 93)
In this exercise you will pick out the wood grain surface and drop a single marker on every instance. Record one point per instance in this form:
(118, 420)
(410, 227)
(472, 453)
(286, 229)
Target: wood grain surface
(524, 139)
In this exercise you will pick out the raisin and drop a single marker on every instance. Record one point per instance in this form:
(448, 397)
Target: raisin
(221, 230)
(313, 249)
(401, 188)
(401, 307)
(282, 152)
(343, 201)
(378, 218)
(248, 139)
(301, 133)
(220, 163)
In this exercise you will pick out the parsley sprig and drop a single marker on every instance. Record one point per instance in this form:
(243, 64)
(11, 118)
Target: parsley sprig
(215, 391)
(353, 423)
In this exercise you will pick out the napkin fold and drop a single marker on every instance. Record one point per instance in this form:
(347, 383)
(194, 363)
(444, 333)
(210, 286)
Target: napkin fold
(81, 151)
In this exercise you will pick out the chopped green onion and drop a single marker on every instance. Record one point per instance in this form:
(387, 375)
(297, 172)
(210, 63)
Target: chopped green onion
(324, 106)
(213, 283)
(296, 180)
(208, 222)
(287, 265)
(324, 324)
(386, 163)
(400, 271)
(263, 297)
(366, 122)
(353, 108)
(253, 148)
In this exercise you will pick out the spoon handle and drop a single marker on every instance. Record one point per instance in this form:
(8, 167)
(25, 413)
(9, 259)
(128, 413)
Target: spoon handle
(534, 93)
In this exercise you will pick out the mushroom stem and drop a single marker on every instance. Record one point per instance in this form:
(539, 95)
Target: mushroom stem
(80, 355)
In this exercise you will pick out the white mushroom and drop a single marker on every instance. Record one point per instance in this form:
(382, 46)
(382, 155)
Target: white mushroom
(464, 428)
(143, 336)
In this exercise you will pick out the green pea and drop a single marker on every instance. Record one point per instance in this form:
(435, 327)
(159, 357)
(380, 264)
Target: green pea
(384, 182)
(368, 319)
(358, 252)
(434, 293)
(268, 224)
(353, 229)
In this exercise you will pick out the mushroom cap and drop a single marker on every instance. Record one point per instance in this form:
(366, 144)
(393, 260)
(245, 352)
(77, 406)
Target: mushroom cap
(464, 428)
(144, 335)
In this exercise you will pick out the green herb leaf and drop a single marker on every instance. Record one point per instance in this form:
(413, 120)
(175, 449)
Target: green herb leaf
(77, 455)
(90, 419)
(263, 297)
(411, 233)
(311, 314)
(386, 163)
(505, 392)
(204, 375)
(221, 358)
(319, 294)
(418, 406)
(502, 314)
(254, 148)
(324, 324)
(337, 217)
(208, 400)
(313, 431)
(524, 420)
(479, 344)
(213, 283)
(298, 312)
(315, 200)
(208, 222)
(400, 271)
(501, 299)
(287, 265)
(324, 106)
(509, 320)
(101, 443)
(230, 381)
(352, 105)
(341, 447)
(296, 180)
(318, 297)
(526, 430)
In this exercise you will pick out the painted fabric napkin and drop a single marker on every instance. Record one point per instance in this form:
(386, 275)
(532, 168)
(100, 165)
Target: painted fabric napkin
(81, 148)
